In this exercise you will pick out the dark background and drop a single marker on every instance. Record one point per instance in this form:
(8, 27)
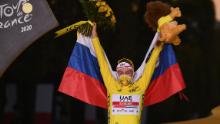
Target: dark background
(46, 59)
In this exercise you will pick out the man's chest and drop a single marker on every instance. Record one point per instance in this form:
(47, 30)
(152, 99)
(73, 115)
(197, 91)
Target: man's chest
(125, 104)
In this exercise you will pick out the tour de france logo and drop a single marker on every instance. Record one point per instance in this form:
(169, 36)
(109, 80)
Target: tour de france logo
(16, 14)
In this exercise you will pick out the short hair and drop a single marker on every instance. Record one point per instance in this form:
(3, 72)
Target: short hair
(127, 61)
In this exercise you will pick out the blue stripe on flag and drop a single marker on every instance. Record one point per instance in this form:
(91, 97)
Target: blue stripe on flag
(167, 58)
(82, 60)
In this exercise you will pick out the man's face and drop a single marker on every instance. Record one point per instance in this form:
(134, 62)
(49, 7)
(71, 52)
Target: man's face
(125, 72)
(129, 71)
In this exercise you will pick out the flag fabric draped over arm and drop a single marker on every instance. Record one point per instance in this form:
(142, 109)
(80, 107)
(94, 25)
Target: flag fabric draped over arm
(167, 78)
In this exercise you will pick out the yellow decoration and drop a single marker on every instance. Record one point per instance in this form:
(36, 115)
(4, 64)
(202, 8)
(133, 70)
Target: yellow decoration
(163, 20)
(107, 14)
(97, 8)
(27, 8)
(113, 19)
(102, 9)
(100, 3)
(71, 27)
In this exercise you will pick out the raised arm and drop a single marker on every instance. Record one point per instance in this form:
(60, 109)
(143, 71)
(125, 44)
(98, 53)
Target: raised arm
(107, 76)
(145, 79)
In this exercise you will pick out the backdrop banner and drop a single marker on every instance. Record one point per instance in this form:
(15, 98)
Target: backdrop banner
(21, 23)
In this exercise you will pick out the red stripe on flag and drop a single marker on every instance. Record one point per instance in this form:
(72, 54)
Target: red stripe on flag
(166, 85)
(126, 103)
(83, 87)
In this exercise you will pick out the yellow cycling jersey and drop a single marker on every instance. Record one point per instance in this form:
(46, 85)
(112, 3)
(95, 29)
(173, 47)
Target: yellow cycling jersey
(125, 103)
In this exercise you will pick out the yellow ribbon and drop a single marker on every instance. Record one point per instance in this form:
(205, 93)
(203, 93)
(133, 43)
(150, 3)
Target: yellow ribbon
(71, 27)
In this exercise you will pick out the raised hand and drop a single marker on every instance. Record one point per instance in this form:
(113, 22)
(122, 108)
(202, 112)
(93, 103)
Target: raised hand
(94, 32)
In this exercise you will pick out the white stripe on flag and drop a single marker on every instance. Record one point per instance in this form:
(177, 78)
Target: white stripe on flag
(140, 70)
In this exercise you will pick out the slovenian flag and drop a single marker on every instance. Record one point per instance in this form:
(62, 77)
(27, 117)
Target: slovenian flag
(82, 78)
(167, 78)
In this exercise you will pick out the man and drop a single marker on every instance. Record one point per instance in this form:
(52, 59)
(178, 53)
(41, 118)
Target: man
(125, 97)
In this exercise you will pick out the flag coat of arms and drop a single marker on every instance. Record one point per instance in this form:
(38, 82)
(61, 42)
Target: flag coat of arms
(82, 78)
